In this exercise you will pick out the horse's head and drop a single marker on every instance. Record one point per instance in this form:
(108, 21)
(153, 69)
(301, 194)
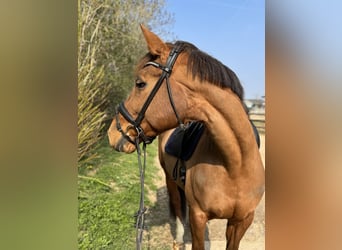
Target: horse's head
(152, 105)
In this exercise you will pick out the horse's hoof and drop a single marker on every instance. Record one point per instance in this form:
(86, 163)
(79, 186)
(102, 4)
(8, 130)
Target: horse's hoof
(178, 246)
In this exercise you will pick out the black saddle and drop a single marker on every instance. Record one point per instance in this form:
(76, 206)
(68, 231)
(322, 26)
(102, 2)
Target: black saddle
(182, 142)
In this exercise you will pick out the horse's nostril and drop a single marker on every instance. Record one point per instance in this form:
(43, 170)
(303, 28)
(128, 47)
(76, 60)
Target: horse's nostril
(118, 147)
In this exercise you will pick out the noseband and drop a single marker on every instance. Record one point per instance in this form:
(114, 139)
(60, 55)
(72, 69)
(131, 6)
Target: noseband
(136, 123)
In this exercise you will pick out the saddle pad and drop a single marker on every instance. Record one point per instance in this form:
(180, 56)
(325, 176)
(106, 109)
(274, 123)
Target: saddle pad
(182, 142)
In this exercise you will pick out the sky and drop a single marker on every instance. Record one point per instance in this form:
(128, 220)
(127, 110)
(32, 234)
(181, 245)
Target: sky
(232, 31)
(314, 32)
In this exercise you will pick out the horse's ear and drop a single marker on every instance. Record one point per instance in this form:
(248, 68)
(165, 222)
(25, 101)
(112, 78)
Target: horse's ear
(155, 45)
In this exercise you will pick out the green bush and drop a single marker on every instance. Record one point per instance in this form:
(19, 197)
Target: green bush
(109, 45)
(90, 117)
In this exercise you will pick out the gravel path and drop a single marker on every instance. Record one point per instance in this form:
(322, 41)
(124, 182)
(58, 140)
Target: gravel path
(161, 230)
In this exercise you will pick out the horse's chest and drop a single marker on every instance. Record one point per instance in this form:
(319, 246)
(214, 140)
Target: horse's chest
(220, 196)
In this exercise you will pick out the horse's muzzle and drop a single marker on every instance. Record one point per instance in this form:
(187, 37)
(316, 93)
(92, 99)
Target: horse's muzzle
(119, 143)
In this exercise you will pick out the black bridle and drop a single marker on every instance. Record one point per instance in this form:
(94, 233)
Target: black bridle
(136, 123)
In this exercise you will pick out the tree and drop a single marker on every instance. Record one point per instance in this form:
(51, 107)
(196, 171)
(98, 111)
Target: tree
(109, 45)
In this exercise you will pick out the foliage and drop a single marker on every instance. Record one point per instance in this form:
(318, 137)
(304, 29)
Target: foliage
(109, 195)
(90, 117)
(109, 44)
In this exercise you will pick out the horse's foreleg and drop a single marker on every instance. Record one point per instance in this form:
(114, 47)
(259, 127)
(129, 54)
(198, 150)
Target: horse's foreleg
(198, 221)
(236, 230)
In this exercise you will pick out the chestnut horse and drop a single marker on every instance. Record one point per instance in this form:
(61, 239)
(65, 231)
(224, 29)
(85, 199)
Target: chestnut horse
(176, 84)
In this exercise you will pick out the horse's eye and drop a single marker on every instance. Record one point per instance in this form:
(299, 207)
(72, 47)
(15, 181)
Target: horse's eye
(140, 84)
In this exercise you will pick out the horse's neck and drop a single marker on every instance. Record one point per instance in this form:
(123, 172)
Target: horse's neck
(227, 123)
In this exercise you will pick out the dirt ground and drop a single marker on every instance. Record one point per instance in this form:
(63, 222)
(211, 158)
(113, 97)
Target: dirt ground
(160, 230)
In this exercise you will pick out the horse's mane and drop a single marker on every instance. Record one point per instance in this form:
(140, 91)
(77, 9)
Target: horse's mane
(205, 67)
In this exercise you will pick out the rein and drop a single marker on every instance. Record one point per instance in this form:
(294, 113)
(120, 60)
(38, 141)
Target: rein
(136, 124)
(140, 218)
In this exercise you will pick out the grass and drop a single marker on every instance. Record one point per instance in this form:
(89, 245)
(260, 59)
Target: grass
(108, 195)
